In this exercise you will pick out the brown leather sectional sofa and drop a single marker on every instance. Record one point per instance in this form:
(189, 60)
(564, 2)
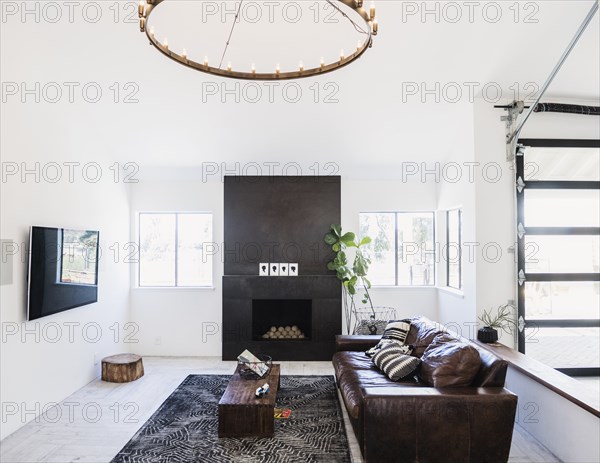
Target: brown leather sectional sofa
(409, 421)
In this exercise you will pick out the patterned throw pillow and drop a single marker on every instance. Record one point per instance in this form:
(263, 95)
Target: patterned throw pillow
(395, 363)
(395, 333)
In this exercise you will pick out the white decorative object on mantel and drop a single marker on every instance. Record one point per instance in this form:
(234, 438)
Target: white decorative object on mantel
(293, 269)
(273, 269)
(263, 269)
(283, 270)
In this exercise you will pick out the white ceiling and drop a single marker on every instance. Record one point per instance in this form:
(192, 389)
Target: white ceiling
(370, 124)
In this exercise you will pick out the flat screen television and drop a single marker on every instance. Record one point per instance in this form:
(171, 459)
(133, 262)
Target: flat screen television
(63, 270)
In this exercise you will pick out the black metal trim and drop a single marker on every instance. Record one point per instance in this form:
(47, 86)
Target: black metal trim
(559, 143)
(562, 277)
(567, 109)
(519, 172)
(563, 323)
(520, 196)
(562, 230)
(562, 185)
(587, 371)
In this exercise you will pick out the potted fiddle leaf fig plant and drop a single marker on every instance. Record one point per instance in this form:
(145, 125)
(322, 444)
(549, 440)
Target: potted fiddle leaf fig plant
(502, 319)
(353, 276)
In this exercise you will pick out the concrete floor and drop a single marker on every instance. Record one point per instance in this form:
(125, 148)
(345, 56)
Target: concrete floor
(77, 433)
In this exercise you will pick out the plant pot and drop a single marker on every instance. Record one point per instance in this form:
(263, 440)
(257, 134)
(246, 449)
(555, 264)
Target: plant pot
(487, 334)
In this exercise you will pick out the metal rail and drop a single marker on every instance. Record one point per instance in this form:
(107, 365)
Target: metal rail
(550, 78)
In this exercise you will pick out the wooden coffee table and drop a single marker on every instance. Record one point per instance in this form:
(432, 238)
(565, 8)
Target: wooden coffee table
(241, 413)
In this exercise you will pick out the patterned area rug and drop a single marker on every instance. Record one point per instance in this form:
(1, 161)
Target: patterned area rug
(184, 428)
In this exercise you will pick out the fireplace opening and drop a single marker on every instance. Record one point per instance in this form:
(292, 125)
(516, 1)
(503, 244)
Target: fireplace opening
(281, 319)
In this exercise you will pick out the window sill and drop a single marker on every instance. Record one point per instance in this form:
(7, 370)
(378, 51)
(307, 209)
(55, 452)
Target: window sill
(174, 288)
(455, 292)
(403, 287)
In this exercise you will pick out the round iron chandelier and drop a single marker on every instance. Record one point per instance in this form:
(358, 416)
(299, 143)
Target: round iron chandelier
(368, 30)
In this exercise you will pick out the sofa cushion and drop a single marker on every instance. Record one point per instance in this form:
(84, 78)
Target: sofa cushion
(447, 362)
(421, 334)
(353, 382)
(492, 372)
(395, 333)
(348, 360)
(394, 362)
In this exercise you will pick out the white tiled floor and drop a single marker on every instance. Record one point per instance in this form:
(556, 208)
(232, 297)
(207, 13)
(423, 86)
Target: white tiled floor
(94, 423)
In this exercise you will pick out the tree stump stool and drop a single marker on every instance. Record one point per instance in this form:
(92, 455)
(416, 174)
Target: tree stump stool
(122, 368)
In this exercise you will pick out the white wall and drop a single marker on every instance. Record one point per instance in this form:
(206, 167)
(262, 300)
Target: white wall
(564, 428)
(46, 360)
(391, 195)
(178, 321)
(180, 317)
(494, 214)
(456, 189)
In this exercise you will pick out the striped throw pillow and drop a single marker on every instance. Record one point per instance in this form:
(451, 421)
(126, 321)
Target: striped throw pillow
(394, 362)
(395, 333)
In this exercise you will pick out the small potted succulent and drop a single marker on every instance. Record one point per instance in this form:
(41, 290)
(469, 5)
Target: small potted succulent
(501, 320)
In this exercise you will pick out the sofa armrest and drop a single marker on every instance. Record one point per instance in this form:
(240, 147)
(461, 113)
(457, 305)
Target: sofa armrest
(355, 342)
(408, 424)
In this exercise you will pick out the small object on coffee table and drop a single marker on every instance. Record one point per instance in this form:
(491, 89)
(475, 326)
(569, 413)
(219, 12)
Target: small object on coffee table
(241, 413)
(122, 368)
(254, 367)
(262, 390)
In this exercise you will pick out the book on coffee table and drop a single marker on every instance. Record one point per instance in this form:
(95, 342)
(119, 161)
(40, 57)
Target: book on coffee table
(254, 363)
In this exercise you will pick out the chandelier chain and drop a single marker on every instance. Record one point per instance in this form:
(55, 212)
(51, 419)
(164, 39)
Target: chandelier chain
(237, 14)
(356, 26)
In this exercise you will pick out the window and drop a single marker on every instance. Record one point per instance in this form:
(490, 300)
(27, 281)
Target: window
(172, 249)
(402, 249)
(453, 248)
(558, 225)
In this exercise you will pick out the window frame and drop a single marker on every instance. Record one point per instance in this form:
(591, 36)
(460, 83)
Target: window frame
(460, 280)
(176, 243)
(396, 248)
(523, 321)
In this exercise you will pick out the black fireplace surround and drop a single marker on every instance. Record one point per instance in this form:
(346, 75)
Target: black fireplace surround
(280, 220)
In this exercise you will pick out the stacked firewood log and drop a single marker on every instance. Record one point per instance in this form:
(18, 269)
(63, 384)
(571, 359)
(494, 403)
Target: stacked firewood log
(284, 332)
